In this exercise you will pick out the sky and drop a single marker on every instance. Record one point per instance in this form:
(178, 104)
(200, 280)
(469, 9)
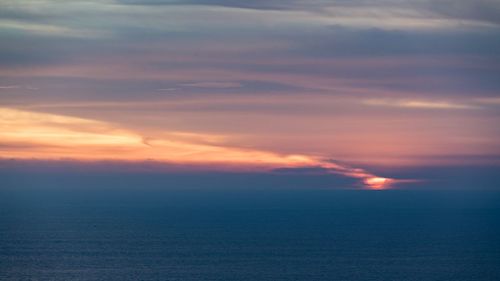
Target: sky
(384, 92)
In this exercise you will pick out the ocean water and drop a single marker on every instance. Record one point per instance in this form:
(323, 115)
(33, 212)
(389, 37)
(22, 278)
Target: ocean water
(247, 234)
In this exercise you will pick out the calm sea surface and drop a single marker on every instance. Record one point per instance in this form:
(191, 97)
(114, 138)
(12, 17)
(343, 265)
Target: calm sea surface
(225, 234)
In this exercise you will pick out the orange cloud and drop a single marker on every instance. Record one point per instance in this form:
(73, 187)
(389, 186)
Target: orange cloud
(419, 104)
(31, 135)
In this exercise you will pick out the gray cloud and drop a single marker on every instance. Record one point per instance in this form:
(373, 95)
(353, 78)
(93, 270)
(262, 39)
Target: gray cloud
(256, 4)
(480, 10)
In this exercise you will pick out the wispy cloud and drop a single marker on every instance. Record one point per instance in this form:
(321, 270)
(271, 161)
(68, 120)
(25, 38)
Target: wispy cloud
(51, 29)
(9, 87)
(372, 82)
(420, 14)
(418, 104)
(489, 101)
(26, 87)
(213, 84)
(30, 135)
(94, 19)
(167, 89)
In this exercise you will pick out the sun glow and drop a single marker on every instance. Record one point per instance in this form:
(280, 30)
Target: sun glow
(377, 182)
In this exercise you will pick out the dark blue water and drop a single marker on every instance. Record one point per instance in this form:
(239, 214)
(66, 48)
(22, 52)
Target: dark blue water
(279, 234)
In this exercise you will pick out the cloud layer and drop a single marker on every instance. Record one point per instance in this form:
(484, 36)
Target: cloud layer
(370, 83)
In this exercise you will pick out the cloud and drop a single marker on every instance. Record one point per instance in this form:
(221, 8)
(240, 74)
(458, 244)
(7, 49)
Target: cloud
(12, 87)
(105, 19)
(214, 84)
(489, 101)
(256, 4)
(413, 14)
(30, 135)
(168, 89)
(50, 30)
(282, 77)
(480, 10)
(418, 104)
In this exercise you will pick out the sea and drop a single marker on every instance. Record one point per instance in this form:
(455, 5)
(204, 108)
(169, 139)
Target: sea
(61, 232)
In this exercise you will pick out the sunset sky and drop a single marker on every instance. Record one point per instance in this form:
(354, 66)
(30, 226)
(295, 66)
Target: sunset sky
(380, 91)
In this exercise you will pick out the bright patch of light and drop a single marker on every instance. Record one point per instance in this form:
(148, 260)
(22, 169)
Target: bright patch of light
(377, 182)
